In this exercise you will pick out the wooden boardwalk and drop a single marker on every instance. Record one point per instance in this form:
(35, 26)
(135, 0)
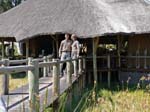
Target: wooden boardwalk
(40, 92)
(17, 100)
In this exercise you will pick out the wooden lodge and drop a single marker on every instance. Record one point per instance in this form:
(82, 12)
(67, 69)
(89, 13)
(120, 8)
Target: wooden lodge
(114, 37)
(120, 54)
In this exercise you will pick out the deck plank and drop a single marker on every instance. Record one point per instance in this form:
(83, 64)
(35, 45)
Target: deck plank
(17, 100)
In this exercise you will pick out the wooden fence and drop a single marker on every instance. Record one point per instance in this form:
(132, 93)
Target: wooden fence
(32, 66)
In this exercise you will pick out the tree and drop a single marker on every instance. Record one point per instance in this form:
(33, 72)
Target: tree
(8, 4)
(5, 5)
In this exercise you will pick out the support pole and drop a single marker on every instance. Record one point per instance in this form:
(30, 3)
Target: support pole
(69, 73)
(75, 66)
(137, 59)
(56, 78)
(45, 73)
(95, 44)
(119, 58)
(145, 59)
(27, 48)
(69, 82)
(109, 73)
(33, 78)
(5, 79)
(3, 50)
(118, 51)
(57, 46)
(84, 69)
(12, 50)
(56, 84)
(80, 65)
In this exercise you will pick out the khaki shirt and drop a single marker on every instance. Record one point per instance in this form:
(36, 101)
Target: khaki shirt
(65, 46)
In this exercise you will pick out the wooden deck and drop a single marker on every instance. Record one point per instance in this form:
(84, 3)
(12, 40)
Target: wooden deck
(17, 100)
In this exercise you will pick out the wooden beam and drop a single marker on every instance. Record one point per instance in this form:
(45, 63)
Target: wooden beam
(119, 57)
(5, 79)
(27, 48)
(118, 51)
(57, 44)
(69, 73)
(56, 81)
(145, 60)
(45, 73)
(13, 49)
(3, 49)
(95, 45)
(109, 72)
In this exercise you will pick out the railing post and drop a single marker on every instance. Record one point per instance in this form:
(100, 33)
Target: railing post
(69, 82)
(84, 69)
(5, 79)
(45, 73)
(109, 73)
(49, 68)
(56, 78)
(80, 65)
(69, 73)
(75, 66)
(33, 78)
(84, 64)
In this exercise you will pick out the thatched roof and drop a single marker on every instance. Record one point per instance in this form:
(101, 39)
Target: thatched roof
(86, 18)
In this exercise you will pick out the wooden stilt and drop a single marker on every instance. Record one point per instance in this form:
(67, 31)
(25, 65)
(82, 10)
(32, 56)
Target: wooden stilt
(13, 50)
(45, 73)
(69, 73)
(118, 53)
(145, 60)
(27, 48)
(109, 73)
(95, 44)
(33, 77)
(3, 50)
(5, 79)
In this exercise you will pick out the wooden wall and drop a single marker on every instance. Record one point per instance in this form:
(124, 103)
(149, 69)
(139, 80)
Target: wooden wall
(137, 46)
(37, 44)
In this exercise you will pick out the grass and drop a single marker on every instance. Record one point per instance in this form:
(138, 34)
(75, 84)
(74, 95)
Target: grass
(118, 99)
(15, 82)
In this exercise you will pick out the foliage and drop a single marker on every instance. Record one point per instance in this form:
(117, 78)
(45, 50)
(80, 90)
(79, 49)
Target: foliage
(8, 4)
(116, 99)
(5, 5)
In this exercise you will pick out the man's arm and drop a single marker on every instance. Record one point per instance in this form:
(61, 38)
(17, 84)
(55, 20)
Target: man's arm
(78, 48)
(60, 49)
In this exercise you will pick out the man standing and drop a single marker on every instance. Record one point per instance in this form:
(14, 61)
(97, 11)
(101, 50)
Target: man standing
(75, 52)
(64, 51)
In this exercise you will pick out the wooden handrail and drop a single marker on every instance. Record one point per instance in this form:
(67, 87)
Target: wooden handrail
(33, 73)
(15, 69)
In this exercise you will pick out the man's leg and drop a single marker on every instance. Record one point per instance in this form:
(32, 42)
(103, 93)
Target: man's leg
(61, 64)
(74, 64)
(68, 56)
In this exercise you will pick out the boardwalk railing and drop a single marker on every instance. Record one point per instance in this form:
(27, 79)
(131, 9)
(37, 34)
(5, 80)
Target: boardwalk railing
(33, 74)
(9, 64)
